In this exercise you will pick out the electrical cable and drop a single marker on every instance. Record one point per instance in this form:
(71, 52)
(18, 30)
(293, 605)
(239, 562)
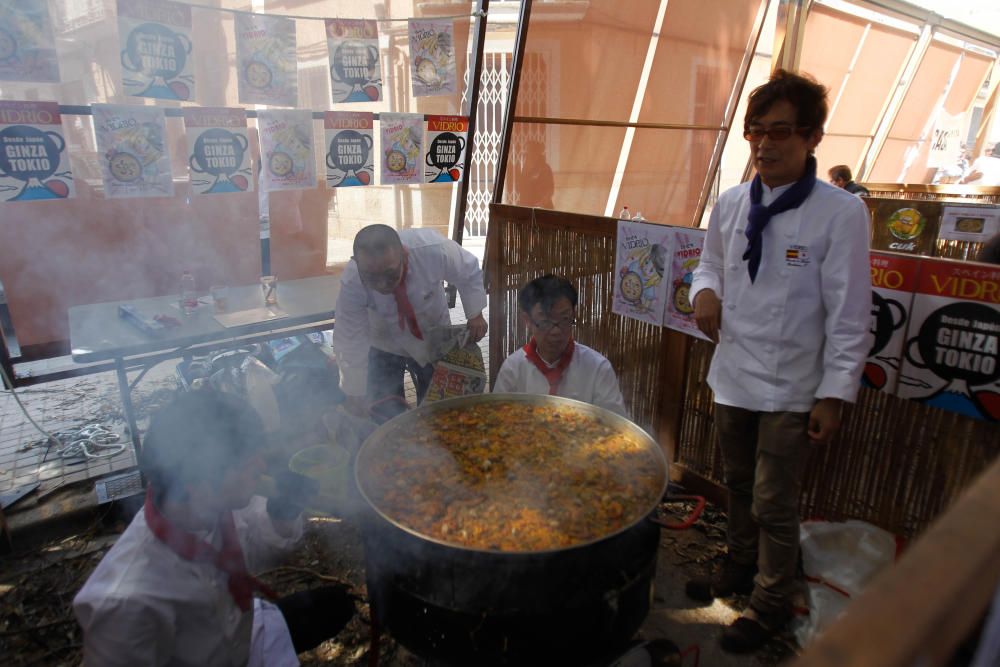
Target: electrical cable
(9, 384)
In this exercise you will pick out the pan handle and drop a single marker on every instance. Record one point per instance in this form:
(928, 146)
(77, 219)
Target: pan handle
(689, 520)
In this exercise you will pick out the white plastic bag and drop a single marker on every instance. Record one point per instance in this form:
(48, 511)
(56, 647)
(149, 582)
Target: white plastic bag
(839, 559)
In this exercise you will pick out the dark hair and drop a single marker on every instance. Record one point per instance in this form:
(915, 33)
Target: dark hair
(990, 252)
(198, 438)
(841, 171)
(376, 239)
(546, 290)
(803, 92)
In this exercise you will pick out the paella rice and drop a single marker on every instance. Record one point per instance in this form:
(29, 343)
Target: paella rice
(512, 476)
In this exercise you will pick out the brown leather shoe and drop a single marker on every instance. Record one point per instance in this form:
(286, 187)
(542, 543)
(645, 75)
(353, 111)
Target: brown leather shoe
(731, 578)
(750, 632)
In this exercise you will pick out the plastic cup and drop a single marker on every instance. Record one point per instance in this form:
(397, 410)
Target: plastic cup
(220, 297)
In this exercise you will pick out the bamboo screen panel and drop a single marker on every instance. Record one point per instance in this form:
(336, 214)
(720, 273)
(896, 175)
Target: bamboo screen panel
(527, 243)
(896, 463)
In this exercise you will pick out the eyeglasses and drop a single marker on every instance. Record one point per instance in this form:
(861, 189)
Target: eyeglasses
(774, 133)
(547, 325)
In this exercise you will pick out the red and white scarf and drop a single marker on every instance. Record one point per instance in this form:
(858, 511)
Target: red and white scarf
(553, 374)
(407, 316)
(228, 559)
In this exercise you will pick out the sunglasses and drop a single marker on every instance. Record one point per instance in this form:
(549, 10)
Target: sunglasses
(774, 133)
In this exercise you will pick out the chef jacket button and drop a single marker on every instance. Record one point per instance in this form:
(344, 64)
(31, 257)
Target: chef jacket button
(731, 306)
(789, 234)
(739, 230)
(732, 267)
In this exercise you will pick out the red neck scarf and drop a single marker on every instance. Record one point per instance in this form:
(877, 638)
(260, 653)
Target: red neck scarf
(407, 316)
(229, 559)
(552, 374)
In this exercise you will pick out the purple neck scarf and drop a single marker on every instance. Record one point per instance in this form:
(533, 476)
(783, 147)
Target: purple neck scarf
(760, 215)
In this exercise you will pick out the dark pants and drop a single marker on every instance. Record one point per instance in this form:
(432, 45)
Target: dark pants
(315, 615)
(764, 454)
(385, 379)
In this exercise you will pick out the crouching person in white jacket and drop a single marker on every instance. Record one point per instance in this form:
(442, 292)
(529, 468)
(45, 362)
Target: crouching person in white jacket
(176, 588)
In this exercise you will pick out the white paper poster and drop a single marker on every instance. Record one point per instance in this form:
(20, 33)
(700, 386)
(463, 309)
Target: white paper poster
(402, 137)
(156, 49)
(350, 155)
(447, 137)
(685, 253)
(946, 141)
(218, 150)
(355, 67)
(894, 279)
(643, 251)
(135, 159)
(266, 60)
(27, 46)
(951, 358)
(286, 150)
(34, 164)
(969, 223)
(432, 57)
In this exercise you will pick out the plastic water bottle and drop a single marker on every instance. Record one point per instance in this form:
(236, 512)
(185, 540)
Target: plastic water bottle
(638, 216)
(624, 214)
(189, 295)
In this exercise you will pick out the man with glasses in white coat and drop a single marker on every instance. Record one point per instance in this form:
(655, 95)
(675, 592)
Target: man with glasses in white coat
(391, 307)
(783, 288)
(552, 362)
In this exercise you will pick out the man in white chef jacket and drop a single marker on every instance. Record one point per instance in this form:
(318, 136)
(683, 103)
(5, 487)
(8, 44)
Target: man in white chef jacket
(783, 288)
(552, 362)
(176, 589)
(393, 311)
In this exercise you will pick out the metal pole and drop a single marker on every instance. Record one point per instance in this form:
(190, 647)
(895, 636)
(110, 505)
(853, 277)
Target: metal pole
(127, 407)
(479, 45)
(515, 80)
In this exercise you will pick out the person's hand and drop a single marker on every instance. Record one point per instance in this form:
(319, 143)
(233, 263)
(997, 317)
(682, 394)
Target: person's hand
(824, 420)
(357, 406)
(477, 327)
(708, 313)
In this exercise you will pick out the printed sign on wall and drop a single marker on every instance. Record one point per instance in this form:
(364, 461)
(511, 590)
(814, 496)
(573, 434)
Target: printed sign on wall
(432, 57)
(643, 251)
(951, 357)
(265, 60)
(894, 278)
(286, 150)
(218, 150)
(135, 160)
(156, 49)
(355, 68)
(34, 164)
(402, 153)
(27, 46)
(350, 155)
(904, 226)
(446, 140)
(685, 253)
(969, 223)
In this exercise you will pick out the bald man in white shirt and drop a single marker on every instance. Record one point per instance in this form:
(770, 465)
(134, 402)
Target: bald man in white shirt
(391, 301)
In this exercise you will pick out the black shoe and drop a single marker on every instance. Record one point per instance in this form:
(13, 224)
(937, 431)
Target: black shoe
(746, 635)
(731, 578)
